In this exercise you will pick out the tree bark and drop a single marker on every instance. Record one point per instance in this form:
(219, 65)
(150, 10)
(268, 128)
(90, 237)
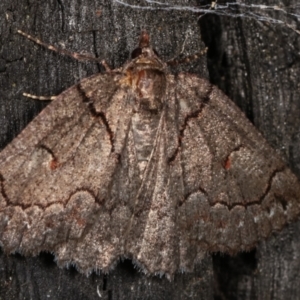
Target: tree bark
(254, 62)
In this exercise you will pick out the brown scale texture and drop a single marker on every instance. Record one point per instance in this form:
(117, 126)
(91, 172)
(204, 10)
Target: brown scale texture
(143, 164)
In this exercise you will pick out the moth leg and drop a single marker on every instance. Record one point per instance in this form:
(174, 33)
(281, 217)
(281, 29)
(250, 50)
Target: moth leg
(106, 66)
(74, 55)
(187, 59)
(43, 98)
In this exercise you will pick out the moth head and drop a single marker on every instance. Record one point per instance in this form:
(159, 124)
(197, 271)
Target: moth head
(145, 56)
(145, 75)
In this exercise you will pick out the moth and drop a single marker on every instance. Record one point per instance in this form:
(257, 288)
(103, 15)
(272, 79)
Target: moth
(142, 164)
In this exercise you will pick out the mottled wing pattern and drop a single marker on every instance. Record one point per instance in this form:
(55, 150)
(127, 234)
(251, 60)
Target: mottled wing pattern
(212, 184)
(236, 188)
(71, 184)
(155, 241)
(65, 187)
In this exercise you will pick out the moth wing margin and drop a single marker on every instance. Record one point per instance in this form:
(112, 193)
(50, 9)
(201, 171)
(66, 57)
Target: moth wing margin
(237, 189)
(55, 178)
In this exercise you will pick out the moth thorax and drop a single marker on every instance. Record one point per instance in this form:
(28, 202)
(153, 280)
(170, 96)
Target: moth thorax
(144, 130)
(149, 87)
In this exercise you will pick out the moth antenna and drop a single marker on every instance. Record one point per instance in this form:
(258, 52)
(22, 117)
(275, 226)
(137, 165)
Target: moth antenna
(75, 55)
(187, 59)
(42, 98)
